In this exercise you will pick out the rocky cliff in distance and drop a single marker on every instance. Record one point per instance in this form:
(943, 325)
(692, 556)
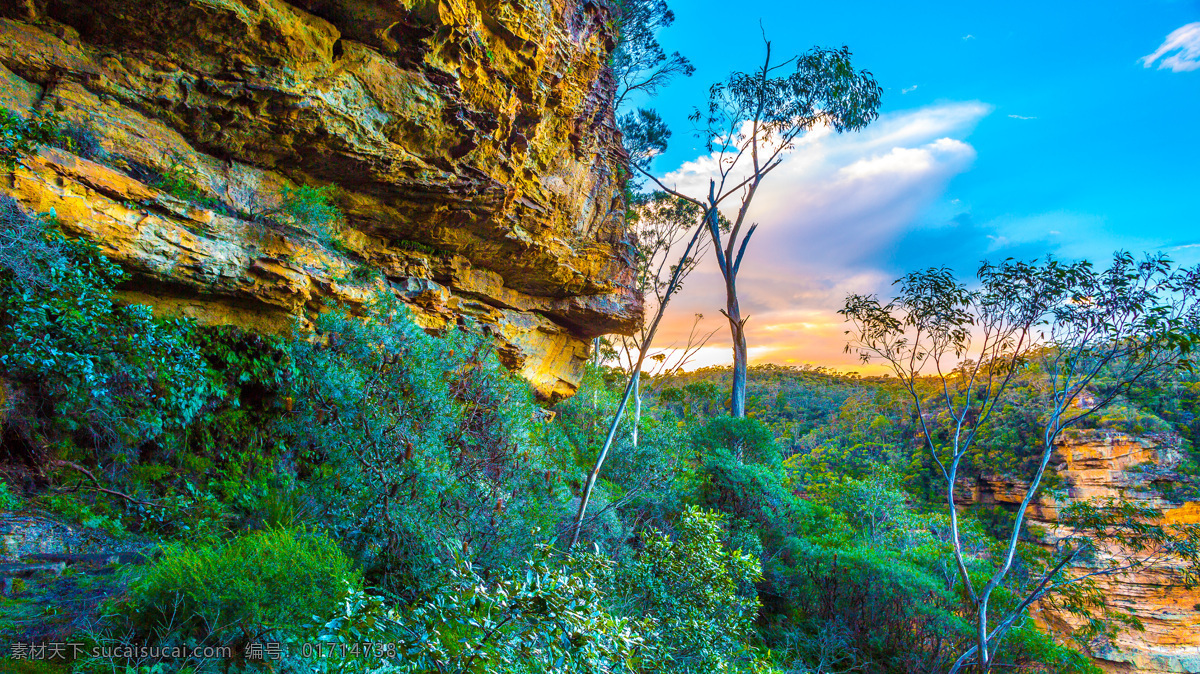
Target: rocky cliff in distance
(1099, 465)
(470, 146)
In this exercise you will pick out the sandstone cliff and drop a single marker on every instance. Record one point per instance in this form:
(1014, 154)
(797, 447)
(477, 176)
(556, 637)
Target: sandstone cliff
(470, 146)
(1099, 465)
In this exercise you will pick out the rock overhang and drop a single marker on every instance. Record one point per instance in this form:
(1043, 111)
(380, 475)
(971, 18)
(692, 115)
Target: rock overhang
(471, 148)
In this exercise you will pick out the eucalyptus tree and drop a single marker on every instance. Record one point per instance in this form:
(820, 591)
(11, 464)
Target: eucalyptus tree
(1088, 336)
(751, 121)
(639, 62)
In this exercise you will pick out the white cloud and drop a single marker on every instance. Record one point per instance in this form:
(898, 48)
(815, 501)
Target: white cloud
(1021, 117)
(1180, 52)
(968, 37)
(908, 90)
(830, 215)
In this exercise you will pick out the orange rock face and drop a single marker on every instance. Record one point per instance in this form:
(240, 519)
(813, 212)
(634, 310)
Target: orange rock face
(470, 146)
(1099, 465)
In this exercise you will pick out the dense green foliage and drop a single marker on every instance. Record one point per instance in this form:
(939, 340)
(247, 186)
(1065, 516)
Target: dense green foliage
(698, 594)
(105, 373)
(415, 442)
(310, 208)
(264, 582)
(19, 135)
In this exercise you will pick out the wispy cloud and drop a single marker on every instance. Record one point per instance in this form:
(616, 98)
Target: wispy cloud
(1180, 52)
(968, 36)
(831, 216)
(1021, 117)
(908, 90)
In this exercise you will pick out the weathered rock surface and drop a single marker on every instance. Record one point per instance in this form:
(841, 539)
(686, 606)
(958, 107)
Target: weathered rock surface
(470, 145)
(1101, 465)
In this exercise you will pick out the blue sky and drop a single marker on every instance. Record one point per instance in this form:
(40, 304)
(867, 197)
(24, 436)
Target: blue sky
(1008, 129)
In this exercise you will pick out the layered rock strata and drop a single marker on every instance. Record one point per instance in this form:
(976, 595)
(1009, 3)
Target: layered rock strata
(469, 145)
(1101, 465)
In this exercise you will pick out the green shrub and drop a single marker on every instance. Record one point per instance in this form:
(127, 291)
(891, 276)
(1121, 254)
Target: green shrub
(112, 374)
(186, 511)
(77, 508)
(647, 475)
(749, 439)
(417, 247)
(412, 441)
(235, 448)
(756, 494)
(311, 208)
(895, 614)
(878, 510)
(27, 252)
(547, 616)
(265, 583)
(8, 500)
(179, 180)
(81, 140)
(19, 136)
(699, 594)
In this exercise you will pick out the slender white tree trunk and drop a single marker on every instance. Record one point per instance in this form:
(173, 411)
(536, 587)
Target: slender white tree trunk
(588, 486)
(637, 411)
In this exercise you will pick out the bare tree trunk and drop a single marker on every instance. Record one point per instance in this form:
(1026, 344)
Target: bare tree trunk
(729, 264)
(737, 391)
(985, 657)
(637, 410)
(596, 363)
(595, 472)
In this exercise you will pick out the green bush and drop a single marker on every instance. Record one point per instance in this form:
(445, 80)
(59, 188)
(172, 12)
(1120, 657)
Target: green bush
(411, 441)
(699, 594)
(82, 140)
(311, 208)
(8, 500)
(20, 136)
(547, 616)
(749, 439)
(112, 374)
(756, 494)
(265, 583)
(28, 253)
(895, 614)
(179, 180)
(235, 449)
(878, 510)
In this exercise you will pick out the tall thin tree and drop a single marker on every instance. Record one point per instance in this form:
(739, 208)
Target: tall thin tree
(661, 224)
(673, 219)
(640, 64)
(751, 121)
